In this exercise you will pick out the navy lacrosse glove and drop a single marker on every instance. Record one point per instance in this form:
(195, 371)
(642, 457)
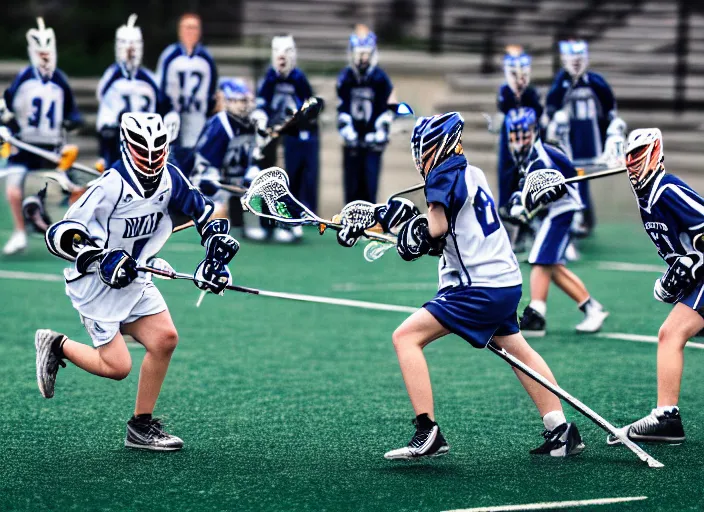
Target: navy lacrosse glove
(678, 280)
(212, 276)
(212, 273)
(397, 211)
(350, 234)
(117, 268)
(414, 240)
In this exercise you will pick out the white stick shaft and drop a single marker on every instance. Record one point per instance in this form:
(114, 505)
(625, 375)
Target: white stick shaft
(577, 404)
(595, 175)
(48, 155)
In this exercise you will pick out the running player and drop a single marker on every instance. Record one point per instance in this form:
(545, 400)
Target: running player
(40, 109)
(125, 219)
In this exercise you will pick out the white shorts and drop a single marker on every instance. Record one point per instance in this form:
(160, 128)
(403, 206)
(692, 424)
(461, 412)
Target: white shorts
(150, 303)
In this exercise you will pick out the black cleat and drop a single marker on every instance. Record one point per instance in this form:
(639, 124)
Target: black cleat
(48, 362)
(666, 428)
(532, 323)
(563, 441)
(149, 434)
(426, 442)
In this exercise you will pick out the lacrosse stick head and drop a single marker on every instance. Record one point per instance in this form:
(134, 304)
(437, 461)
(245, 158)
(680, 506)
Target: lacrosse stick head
(269, 196)
(537, 184)
(357, 213)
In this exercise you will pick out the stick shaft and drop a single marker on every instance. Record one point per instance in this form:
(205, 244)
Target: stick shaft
(595, 175)
(417, 186)
(574, 402)
(49, 155)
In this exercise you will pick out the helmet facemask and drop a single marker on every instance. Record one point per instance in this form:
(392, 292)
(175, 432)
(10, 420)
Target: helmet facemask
(435, 139)
(517, 71)
(520, 141)
(643, 163)
(145, 142)
(361, 52)
(41, 47)
(129, 46)
(575, 58)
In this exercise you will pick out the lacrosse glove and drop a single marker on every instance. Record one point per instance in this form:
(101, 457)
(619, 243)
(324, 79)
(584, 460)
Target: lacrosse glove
(678, 280)
(414, 240)
(396, 212)
(117, 268)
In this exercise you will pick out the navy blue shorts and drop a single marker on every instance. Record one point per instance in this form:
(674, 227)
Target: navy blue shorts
(477, 314)
(551, 240)
(695, 299)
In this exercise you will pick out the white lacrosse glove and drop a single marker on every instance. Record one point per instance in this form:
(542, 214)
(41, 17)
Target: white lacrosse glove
(5, 133)
(172, 122)
(382, 126)
(346, 129)
(614, 147)
(6, 114)
(516, 210)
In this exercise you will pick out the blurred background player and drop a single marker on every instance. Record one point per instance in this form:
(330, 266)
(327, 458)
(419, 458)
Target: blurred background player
(225, 152)
(590, 105)
(516, 92)
(187, 74)
(40, 109)
(673, 217)
(282, 91)
(363, 118)
(126, 87)
(547, 256)
(479, 290)
(127, 216)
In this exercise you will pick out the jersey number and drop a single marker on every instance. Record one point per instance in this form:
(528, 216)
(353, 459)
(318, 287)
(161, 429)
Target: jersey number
(584, 109)
(665, 247)
(187, 100)
(37, 112)
(485, 210)
(146, 103)
(361, 109)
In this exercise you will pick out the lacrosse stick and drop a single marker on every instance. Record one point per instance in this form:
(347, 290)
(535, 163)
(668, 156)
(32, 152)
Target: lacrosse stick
(269, 196)
(308, 111)
(576, 404)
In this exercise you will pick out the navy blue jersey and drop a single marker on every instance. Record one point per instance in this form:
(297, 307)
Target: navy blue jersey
(41, 106)
(591, 106)
(278, 96)
(226, 144)
(545, 156)
(672, 214)
(363, 99)
(507, 100)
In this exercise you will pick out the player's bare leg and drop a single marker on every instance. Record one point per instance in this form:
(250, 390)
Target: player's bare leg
(664, 423)
(18, 240)
(561, 438)
(158, 335)
(570, 283)
(409, 339)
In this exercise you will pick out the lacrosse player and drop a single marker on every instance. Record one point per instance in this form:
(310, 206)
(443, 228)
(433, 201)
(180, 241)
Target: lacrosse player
(187, 74)
(225, 151)
(40, 108)
(363, 118)
(547, 256)
(673, 217)
(124, 220)
(127, 87)
(282, 91)
(590, 105)
(479, 290)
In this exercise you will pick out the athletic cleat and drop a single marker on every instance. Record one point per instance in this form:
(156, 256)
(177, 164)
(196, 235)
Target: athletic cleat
(563, 441)
(532, 323)
(426, 442)
(16, 243)
(47, 360)
(149, 434)
(594, 316)
(284, 236)
(255, 233)
(297, 232)
(665, 428)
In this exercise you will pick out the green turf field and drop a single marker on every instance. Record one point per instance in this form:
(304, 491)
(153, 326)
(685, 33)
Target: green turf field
(290, 406)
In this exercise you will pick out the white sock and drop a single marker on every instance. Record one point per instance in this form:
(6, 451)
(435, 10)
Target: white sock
(539, 305)
(553, 419)
(659, 411)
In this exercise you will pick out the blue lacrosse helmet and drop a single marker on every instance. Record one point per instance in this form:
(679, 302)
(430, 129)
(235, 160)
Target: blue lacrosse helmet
(522, 131)
(361, 51)
(517, 69)
(435, 139)
(237, 95)
(575, 57)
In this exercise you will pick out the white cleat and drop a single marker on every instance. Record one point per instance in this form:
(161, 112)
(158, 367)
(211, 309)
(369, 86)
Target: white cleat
(284, 236)
(16, 243)
(297, 232)
(255, 233)
(593, 320)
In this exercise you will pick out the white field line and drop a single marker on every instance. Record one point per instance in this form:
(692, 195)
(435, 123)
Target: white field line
(380, 287)
(641, 338)
(35, 276)
(623, 266)
(552, 505)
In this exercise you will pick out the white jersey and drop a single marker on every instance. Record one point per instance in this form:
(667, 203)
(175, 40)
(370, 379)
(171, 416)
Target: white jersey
(477, 251)
(119, 92)
(190, 82)
(40, 106)
(118, 215)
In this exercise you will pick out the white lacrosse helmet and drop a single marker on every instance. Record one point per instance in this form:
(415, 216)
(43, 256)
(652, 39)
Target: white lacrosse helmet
(237, 96)
(283, 54)
(644, 157)
(41, 47)
(145, 142)
(129, 45)
(575, 57)
(362, 50)
(517, 69)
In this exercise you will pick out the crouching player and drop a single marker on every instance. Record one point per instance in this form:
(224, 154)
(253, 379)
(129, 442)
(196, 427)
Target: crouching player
(547, 257)
(480, 286)
(124, 220)
(673, 217)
